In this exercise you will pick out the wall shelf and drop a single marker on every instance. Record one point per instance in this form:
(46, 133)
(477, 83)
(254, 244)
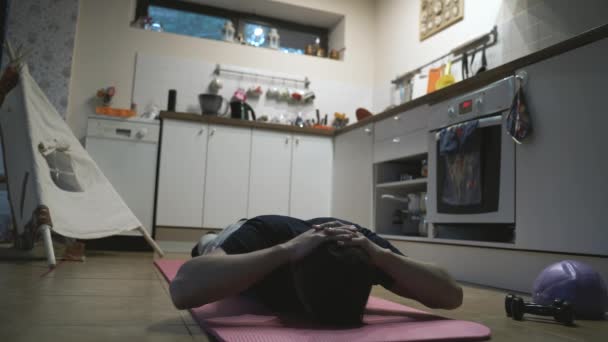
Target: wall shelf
(418, 184)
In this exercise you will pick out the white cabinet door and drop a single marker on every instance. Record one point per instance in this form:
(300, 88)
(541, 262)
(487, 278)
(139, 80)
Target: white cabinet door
(353, 176)
(561, 168)
(227, 176)
(270, 173)
(311, 177)
(181, 179)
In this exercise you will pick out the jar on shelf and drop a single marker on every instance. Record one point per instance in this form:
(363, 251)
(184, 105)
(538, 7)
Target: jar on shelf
(274, 40)
(424, 170)
(228, 31)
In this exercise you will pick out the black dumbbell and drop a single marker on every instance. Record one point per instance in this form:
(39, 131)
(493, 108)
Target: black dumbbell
(561, 311)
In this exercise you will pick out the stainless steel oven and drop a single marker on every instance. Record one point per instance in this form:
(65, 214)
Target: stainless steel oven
(472, 159)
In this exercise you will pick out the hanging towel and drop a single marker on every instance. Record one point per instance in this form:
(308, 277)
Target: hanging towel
(519, 124)
(453, 138)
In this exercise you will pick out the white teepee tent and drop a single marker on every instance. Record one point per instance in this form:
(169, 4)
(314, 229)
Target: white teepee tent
(53, 183)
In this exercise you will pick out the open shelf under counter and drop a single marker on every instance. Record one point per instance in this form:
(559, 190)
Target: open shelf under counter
(418, 184)
(472, 243)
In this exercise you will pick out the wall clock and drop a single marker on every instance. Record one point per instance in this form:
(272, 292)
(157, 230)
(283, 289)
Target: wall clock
(436, 15)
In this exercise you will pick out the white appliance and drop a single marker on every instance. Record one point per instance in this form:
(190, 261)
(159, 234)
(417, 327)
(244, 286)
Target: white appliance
(494, 151)
(126, 152)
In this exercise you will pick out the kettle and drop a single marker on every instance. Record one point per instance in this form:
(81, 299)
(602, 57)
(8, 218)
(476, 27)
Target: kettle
(241, 110)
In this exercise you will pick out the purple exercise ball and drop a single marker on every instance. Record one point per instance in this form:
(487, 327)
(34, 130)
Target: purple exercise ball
(574, 282)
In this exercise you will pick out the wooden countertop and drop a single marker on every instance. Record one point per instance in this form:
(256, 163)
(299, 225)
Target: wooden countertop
(456, 89)
(246, 123)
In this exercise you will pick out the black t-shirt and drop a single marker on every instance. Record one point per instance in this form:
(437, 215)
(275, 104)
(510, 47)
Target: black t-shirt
(277, 289)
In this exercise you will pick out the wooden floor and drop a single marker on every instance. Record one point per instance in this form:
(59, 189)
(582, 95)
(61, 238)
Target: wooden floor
(121, 297)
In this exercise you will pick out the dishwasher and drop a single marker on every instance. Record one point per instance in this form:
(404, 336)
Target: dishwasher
(126, 152)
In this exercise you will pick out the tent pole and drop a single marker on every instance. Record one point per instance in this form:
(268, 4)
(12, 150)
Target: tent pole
(48, 245)
(151, 241)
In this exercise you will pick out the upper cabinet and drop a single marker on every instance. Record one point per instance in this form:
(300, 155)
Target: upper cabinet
(270, 176)
(311, 176)
(353, 176)
(227, 176)
(181, 174)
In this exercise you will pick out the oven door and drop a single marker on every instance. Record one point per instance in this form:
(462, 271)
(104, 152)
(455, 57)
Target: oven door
(476, 184)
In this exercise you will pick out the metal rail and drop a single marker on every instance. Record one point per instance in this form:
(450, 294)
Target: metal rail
(472, 46)
(219, 70)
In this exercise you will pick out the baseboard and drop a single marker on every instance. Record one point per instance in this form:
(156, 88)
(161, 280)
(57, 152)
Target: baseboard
(119, 243)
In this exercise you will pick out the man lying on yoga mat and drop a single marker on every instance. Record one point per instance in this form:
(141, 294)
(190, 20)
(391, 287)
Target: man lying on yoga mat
(322, 268)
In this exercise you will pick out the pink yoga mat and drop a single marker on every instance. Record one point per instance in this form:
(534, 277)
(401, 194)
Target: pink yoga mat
(243, 320)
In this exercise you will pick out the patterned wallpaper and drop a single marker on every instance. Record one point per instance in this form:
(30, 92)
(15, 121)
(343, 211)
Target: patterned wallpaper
(45, 28)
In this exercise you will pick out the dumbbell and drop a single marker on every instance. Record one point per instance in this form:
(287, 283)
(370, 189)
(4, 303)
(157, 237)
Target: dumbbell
(561, 311)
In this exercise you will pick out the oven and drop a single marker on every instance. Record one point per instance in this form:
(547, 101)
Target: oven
(471, 177)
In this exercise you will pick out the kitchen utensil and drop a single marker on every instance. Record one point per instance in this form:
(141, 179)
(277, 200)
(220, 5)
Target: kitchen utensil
(296, 95)
(434, 75)
(405, 177)
(171, 101)
(484, 60)
(318, 116)
(215, 85)
(308, 96)
(284, 94)
(446, 79)
(240, 95)
(299, 120)
(241, 110)
(255, 91)
(362, 113)
(320, 52)
(465, 66)
(272, 92)
(211, 104)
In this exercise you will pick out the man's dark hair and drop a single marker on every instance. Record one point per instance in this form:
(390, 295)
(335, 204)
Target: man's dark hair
(333, 283)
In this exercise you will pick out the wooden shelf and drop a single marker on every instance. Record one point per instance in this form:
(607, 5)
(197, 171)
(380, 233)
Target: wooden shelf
(408, 185)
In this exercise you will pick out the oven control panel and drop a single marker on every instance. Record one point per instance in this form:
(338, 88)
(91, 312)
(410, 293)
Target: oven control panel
(494, 98)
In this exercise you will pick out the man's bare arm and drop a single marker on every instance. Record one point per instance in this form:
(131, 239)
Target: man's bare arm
(426, 283)
(208, 278)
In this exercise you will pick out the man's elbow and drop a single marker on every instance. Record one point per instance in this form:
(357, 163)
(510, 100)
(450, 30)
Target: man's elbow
(178, 295)
(454, 301)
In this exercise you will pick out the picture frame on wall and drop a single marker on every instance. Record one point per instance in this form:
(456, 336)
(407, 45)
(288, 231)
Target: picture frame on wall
(437, 15)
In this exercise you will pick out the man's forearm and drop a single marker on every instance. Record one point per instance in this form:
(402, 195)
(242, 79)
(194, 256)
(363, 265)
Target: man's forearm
(208, 278)
(429, 284)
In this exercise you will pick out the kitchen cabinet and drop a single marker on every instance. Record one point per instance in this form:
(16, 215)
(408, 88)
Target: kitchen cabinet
(311, 177)
(226, 176)
(353, 176)
(561, 168)
(270, 175)
(181, 178)
(402, 135)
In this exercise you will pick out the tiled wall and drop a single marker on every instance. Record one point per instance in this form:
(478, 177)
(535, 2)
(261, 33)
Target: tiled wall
(46, 29)
(527, 26)
(531, 25)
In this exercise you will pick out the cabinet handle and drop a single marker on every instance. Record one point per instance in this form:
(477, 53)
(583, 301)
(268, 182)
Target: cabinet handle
(212, 131)
(396, 140)
(396, 117)
(368, 131)
(297, 141)
(286, 140)
(201, 131)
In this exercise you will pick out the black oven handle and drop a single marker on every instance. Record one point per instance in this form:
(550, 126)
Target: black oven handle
(483, 122)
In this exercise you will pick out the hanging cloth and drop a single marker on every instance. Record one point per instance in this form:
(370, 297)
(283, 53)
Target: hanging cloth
(519, 124)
